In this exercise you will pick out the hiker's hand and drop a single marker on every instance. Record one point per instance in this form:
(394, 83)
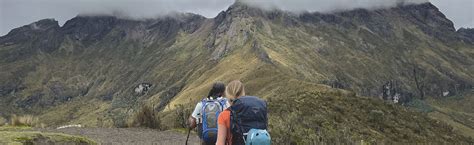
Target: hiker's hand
(192, 122)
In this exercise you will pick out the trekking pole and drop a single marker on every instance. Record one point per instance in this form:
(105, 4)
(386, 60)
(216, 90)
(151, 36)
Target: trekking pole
(187, 138)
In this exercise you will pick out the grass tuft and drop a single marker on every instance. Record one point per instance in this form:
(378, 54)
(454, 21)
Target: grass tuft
(26, 120)
(146, 117)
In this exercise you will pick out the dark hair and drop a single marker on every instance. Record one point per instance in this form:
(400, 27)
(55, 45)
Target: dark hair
(217, 90)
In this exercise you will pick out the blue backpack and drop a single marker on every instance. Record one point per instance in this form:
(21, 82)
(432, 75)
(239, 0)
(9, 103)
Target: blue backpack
(211, 108)
(249, 121)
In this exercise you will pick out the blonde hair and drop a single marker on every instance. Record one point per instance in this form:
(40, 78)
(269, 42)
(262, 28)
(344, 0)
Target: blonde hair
(234, 90)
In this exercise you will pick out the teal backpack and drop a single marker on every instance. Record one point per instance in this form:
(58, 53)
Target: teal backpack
(258, 137)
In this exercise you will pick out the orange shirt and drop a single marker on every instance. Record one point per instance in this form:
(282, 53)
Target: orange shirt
(224, 119)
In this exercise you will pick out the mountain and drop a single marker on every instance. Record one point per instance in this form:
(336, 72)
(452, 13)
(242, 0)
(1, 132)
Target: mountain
(98, 70)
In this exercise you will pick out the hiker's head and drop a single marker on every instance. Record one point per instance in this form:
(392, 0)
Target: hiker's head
(217, 90)
(234, 90)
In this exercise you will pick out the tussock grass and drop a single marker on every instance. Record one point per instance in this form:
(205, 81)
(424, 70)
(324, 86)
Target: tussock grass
(146, 117)
(26, 120)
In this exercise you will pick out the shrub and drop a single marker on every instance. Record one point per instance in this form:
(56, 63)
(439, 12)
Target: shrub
(146, 117)
(177, 117)
(2, 121)
(26, 120)
(376, 116)
(421, 106)
(182, 114)
(376, 119)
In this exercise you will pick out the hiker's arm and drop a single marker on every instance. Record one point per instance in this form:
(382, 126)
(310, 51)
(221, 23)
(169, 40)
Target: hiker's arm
(193, 119)
(221, 134)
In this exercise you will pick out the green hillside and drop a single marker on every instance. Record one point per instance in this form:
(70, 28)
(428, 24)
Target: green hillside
(457, 111)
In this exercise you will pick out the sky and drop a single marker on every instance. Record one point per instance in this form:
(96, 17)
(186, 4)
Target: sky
(16, 13)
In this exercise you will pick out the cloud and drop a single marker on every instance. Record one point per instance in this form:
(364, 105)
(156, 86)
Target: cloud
(15, 13)
(327, 5)
(132, 8)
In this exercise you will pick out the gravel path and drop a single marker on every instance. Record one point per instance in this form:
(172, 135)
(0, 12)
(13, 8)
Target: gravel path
(129, 136)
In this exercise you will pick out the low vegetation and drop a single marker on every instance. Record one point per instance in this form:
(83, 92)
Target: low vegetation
(420, 105)
(12, 137)
(20, 130)
(25, 120)
(456, 111)
(177, 118)
(312, 118)
(145, 117)
(314, 115)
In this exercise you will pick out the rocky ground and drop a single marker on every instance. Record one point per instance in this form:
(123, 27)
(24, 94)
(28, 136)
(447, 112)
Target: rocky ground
(128, 136)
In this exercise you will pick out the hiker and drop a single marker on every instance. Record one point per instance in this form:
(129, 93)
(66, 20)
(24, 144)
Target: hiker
(245, 122)
(206, 112)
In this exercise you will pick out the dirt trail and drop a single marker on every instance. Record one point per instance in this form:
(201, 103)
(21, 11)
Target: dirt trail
(129, 136)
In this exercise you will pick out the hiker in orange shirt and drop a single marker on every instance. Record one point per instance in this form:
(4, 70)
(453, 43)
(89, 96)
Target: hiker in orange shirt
(245, 121)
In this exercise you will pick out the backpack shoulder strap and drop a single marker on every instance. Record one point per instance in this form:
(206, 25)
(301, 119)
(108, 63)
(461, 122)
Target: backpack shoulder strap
(204, 101)
(223, 102)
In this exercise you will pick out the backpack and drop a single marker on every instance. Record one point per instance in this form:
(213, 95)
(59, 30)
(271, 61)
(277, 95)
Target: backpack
(211, 108)
(249, 122)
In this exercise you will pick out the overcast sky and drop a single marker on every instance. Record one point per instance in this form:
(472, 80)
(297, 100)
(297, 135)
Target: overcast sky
(16, 13)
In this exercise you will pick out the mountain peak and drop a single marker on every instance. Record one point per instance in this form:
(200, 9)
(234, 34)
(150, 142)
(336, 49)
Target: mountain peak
(38, 26)
(242, 9)
(44, 24)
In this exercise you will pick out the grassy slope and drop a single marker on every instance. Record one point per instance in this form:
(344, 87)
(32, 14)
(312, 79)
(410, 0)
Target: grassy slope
(457, 111)
(320, 53)
(337, 116)
(102, 70)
